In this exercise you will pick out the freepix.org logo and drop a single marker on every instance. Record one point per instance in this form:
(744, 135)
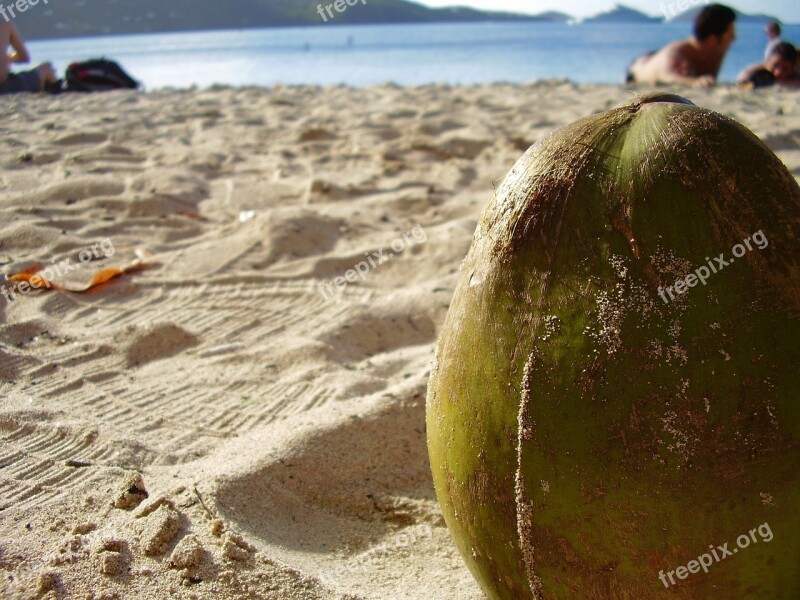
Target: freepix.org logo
(43, 279)
(702, 274)
(374, 260)
(20, 6)
(339, 6)
(677, 7)
(717, 554)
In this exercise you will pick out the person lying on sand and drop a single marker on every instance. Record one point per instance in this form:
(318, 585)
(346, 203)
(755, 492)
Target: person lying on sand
(779, 68)
(35, 80)
(693, 61)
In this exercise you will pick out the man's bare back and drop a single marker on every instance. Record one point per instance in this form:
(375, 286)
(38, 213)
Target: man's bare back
(678, 62)
(696, 60)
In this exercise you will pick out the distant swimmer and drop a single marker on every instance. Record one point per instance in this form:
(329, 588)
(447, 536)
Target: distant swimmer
(694, 61)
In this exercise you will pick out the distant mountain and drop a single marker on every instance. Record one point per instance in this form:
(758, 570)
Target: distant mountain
(72, 18)
(554, 16)
(690, 15)
(623, 14)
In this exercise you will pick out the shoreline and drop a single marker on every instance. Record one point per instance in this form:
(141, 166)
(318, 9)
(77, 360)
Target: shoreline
(632, 88)
(359, 26)
(457, 53)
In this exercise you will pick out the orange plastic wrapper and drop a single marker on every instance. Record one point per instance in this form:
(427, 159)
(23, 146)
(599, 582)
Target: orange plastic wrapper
(76, 278)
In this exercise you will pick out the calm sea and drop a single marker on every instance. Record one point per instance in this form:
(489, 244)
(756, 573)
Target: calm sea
(404, 54)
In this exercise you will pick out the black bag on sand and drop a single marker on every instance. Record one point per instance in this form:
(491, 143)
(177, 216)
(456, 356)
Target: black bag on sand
(97, 75)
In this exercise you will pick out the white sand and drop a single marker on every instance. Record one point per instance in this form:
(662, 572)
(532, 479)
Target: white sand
(279, 436)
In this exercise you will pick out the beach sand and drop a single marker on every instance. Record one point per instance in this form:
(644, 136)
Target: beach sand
(212, 423)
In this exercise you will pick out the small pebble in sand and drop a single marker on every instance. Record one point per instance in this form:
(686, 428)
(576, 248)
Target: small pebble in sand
(152, 506)
(161, 528)
(132, 493)
(48, 581)
(113, 563)
(187, 554)
(234, 547)
(217, 527)
(112, 556)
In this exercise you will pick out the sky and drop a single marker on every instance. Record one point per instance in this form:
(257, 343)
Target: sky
(786, 10)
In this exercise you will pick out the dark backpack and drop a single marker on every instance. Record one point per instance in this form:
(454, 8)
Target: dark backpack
(97, 75)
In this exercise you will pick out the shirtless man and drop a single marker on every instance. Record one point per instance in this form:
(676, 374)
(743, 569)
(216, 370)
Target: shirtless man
(34, 80)
(693, 61)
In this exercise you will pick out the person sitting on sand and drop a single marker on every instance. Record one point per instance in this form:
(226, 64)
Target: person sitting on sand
(779, 68)
(693, 61)
(35, 80)
(773, 31)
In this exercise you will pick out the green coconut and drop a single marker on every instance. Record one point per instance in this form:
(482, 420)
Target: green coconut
(587, 436)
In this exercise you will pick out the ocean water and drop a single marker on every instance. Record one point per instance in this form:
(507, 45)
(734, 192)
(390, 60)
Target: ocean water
(403, 54)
